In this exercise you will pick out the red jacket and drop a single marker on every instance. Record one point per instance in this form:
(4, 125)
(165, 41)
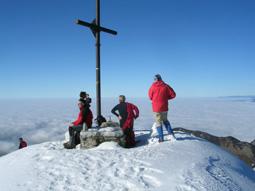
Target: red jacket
(22, 144)
(87, 120)
(159, 94)
(131, 116)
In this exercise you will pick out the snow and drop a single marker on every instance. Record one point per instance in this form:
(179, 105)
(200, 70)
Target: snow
(187, 164)
(40, 120)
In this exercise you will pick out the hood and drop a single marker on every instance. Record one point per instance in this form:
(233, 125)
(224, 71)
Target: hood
(158, 83)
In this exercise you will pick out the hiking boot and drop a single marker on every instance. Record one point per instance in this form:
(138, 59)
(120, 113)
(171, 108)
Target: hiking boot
(68, 146)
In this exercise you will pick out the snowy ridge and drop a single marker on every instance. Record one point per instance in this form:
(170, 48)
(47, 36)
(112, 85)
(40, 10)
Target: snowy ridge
(187, 164)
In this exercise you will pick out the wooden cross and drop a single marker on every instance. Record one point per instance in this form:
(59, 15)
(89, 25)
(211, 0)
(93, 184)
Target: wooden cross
(96, 29)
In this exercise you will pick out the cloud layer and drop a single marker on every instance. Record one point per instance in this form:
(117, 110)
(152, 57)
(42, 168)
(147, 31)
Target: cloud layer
(40, 120)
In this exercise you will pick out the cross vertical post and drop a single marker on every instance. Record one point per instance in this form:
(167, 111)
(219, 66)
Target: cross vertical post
(96, 29)
(98, 72)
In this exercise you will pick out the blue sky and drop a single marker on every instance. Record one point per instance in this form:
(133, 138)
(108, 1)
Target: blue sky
(200, 47)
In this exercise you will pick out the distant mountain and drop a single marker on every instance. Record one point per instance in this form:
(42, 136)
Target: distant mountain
(240, 98)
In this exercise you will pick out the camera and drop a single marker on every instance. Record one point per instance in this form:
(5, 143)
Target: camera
(88, 99)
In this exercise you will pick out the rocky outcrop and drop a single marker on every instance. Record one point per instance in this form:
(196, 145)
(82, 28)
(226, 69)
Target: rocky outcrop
(109, 131)
(253, 142)
(244, 150)
(109, 124)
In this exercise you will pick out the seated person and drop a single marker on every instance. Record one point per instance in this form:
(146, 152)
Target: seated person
(22, 143)
(85, 116)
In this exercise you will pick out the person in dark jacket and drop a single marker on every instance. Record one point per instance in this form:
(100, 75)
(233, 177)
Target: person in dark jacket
(126, 113)
(22, 143)
(159, 94)
(85, 116)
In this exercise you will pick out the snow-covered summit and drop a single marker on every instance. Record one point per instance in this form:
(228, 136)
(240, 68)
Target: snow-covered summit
(187, 164)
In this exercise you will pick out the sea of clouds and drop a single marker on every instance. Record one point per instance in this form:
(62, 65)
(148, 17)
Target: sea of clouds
(40, 120)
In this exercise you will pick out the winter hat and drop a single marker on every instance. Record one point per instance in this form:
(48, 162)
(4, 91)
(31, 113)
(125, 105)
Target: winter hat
(157, 77)
(83, 94)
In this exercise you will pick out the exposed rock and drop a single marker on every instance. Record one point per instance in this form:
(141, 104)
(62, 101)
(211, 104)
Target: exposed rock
(109, 124)
(95, 136)
(244, 150)
(253, 142)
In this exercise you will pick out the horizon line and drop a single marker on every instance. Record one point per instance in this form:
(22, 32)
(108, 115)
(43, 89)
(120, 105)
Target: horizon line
(138, 97)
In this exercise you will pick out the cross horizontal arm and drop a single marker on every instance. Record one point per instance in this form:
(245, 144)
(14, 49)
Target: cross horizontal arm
(95, 27)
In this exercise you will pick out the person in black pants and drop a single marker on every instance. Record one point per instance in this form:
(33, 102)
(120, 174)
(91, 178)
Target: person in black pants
(127, 112)
(85, 116)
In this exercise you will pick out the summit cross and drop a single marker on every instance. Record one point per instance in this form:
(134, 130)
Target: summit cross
(96, 28)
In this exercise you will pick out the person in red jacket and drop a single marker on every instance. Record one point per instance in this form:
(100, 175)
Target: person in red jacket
(159, 94)
(22, 143)
(85, 116)
(127, 112)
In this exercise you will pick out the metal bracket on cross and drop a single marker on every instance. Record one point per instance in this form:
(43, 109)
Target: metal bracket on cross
(94, 28)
